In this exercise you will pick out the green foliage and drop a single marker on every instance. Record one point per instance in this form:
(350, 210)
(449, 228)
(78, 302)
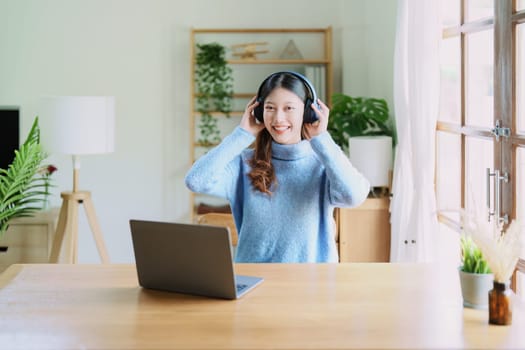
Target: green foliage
(357, 116)
(214, 83)
(21, 191)
(473, 261)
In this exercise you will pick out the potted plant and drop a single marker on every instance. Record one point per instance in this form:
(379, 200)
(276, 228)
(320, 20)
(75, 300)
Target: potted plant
(214, 83)
(475, 275)
(23, 187)
(360, 126)
(501, 247)
(357, 116)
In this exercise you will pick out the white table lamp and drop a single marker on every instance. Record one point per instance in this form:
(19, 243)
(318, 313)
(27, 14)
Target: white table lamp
(77, 125)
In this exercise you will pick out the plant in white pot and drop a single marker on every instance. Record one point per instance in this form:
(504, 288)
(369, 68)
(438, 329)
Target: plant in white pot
(360, 125)
(475, 275)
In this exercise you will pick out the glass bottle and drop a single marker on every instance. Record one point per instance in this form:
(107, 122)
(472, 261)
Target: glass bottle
(500, 304)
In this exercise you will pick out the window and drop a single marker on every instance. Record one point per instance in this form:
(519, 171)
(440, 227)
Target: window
(482, 111)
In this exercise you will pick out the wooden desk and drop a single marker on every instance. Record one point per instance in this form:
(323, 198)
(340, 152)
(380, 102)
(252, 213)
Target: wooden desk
(325, 306)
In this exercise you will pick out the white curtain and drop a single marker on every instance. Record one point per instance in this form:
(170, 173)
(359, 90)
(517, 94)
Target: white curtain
(416, 104)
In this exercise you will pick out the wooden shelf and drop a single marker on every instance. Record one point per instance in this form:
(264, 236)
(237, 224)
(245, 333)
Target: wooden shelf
(258, 30)
(277, 61)
(222, 115)
(28, 239)
(314, 44)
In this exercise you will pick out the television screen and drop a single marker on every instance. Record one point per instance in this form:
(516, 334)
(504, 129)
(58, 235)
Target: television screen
(9, 135)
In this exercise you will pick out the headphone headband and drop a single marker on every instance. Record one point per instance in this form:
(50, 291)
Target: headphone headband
(309, 114)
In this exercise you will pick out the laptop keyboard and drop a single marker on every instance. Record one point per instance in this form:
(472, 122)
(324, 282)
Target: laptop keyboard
(241, 286)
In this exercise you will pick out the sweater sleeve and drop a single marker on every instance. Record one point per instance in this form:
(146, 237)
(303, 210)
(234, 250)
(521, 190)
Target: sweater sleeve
(347, 187)
(215, 172)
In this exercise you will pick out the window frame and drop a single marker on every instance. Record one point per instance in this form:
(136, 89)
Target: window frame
(503, 24)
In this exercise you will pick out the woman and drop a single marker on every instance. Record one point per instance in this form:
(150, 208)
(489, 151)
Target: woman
(283, 191)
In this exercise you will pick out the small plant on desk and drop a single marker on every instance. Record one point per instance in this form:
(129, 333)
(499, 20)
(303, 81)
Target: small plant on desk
(472, 257)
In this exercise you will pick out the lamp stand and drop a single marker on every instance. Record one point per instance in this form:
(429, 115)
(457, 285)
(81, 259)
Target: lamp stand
(68, 222)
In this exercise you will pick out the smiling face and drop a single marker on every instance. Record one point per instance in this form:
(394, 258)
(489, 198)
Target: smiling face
(283, 116)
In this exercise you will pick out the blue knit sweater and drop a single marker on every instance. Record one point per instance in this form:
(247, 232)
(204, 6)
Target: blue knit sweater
(294, 224)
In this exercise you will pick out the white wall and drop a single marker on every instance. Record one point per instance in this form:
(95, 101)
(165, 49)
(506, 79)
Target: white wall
(368, 49)
(138, 51)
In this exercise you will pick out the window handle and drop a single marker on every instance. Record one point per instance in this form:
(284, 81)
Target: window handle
(497, 196)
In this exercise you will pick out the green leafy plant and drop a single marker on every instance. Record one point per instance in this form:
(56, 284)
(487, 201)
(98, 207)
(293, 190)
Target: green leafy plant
(471, 256)
(357, 116)
(214, 83)
(22, 191)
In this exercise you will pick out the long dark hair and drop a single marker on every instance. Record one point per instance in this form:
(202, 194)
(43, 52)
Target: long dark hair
(262, 174)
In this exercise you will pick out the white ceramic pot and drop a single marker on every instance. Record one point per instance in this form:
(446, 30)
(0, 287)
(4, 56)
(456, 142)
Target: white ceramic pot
(372, 156)
(475, 289)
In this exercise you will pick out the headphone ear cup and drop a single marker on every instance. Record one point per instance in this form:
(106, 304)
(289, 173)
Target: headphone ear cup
(258, 112)
(309, 114)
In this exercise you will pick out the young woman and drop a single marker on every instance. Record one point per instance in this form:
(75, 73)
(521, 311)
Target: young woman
(283, 191)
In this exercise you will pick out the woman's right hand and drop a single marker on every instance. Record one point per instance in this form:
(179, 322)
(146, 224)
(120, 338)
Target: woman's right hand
(248, 121)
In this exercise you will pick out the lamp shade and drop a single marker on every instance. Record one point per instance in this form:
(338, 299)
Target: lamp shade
(78, 125)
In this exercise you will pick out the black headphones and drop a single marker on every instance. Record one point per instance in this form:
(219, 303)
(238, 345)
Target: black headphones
(309, 115)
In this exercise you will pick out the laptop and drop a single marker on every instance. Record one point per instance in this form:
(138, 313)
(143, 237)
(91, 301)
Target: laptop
(187, 258)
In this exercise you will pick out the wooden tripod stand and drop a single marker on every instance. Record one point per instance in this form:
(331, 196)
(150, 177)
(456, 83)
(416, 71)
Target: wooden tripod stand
(68, 222)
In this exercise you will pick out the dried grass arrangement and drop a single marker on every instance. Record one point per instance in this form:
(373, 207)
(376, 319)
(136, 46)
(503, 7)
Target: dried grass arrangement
(501, 248)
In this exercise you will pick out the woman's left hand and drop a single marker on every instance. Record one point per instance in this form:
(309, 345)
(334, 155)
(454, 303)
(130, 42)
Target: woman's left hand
(320, 125)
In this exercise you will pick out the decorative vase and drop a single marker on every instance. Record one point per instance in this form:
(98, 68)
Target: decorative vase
(500, 304)
(475, 288)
